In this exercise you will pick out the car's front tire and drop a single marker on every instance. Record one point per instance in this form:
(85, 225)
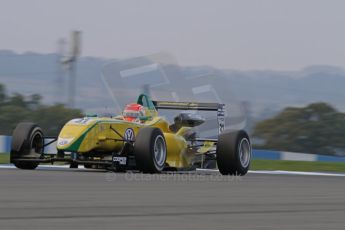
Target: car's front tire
(28, 143)
(150, 150)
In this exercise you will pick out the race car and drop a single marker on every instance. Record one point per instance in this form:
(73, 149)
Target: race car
(138, 139)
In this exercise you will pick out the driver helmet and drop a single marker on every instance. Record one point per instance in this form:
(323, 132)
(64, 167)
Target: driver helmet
(133, 112)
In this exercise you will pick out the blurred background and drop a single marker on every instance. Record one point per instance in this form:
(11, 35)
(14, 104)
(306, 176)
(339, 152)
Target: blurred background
(279, 66)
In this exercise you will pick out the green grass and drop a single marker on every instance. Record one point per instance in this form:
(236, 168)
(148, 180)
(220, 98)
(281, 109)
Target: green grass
(269, 165)
(4, 158)
(308, 166)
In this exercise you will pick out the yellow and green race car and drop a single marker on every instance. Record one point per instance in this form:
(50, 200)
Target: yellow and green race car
(138, 139)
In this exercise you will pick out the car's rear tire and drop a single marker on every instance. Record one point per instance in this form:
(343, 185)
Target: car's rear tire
(27, 143)
(150, 150)
(233, 153)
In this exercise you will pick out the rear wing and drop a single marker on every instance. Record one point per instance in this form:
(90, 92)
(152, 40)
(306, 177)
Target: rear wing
(202, 106)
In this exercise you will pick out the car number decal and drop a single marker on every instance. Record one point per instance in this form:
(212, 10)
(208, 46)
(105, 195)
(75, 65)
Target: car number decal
(81, 121)
(120, 160)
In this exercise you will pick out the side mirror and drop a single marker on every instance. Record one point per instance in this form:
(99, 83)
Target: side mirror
(188, 119)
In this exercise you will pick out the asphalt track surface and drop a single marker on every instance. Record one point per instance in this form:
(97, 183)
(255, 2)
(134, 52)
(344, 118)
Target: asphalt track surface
(82, 199)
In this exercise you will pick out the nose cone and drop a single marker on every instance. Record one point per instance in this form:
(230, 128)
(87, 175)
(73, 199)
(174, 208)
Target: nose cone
(73, 133)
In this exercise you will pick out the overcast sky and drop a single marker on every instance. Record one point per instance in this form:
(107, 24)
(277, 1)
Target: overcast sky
(243, 34)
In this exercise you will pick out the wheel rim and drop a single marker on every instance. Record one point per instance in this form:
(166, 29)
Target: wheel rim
(244, 149)
(36, 143)
(159, 151)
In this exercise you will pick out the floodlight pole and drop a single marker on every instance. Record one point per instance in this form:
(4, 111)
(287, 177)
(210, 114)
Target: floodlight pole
(72, 83)
(72, 66)
(59, 70)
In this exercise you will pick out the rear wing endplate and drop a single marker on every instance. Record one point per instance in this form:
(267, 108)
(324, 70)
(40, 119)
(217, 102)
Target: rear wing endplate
(202, 106)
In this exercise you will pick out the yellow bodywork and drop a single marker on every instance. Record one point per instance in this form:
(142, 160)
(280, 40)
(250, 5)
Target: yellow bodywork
(89, 134)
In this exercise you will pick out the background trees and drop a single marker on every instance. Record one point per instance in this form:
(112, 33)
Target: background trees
(17, 108)
(316, 128)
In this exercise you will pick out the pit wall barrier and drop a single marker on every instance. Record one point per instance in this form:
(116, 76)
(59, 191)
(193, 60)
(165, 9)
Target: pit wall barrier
(5, 147)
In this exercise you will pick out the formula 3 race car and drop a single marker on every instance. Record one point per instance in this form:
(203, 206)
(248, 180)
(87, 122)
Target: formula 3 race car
(138, 139)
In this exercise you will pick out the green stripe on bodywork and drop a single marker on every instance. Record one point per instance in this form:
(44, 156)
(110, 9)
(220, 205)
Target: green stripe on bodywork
(76, 144)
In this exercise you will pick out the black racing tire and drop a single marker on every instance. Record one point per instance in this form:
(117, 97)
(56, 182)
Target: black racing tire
(27, 142)
(233, 153)
(150, 150)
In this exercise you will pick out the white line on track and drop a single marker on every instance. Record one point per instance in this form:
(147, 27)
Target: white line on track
(281, 172)
(274, 172)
